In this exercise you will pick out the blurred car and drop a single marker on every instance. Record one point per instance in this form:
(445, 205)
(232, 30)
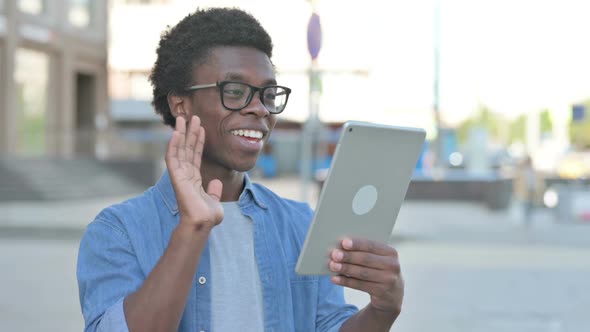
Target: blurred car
(574, 165)
(497, 160)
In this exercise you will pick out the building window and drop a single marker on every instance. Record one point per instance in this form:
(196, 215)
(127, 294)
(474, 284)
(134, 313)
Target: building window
(81, 13)
(33, 7)
(31, 77)
(130, 85)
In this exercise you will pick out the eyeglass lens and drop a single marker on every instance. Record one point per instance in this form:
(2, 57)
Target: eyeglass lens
(239, 95)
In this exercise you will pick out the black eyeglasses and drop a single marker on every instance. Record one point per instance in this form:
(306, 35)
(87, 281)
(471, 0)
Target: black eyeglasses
(236, 96)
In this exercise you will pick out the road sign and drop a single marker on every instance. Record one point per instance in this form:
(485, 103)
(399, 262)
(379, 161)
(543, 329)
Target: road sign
(314, 36)
(578, 113)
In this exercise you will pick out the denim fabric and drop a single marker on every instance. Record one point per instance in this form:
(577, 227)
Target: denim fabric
(125, 241)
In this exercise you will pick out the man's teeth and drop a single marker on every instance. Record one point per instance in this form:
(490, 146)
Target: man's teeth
(247, 133)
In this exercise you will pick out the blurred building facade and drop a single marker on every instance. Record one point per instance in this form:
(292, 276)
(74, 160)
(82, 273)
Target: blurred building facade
(53, 64)
(138, 133)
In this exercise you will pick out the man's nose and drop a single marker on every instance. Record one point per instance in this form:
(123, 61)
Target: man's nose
(256, 107)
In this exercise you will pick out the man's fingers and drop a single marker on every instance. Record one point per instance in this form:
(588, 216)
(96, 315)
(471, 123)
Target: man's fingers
(361, 272)
(198, 151)
(214, 189)
(374, 247)
(181, 129)
(373, 261)
(372, 288)
(172, 151)
(191, 137)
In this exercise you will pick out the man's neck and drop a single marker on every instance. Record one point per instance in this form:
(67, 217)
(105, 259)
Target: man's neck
(233, 182)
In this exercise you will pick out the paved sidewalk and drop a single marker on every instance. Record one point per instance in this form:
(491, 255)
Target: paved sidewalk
(72, 214)
(467, 269)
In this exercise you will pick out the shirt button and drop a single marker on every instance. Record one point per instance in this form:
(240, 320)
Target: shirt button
(202, 280)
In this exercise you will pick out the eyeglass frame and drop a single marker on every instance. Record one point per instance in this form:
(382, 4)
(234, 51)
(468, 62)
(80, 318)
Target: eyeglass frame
(253, 90)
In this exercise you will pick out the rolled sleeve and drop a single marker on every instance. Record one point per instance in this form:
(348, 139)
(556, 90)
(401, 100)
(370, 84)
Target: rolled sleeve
(333, 311)
(113, 319)
(107, 272)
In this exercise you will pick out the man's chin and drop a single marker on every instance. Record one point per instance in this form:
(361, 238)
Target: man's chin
(243, 166)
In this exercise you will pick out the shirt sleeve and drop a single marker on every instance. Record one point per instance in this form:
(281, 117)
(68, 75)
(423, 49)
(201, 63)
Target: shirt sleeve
(113, 319)
(107, 272)
(333, 311)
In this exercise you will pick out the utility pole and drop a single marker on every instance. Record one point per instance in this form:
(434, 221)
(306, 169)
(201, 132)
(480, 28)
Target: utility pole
(439, 162)
(312, 124)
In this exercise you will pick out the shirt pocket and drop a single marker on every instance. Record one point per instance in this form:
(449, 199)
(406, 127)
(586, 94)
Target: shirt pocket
(304, 295)
(297, 278)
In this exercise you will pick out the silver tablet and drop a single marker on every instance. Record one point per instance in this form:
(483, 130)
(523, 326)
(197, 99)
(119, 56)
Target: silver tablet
(366, 185)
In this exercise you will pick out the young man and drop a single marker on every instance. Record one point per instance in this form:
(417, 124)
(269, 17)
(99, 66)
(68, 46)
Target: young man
(182, 257)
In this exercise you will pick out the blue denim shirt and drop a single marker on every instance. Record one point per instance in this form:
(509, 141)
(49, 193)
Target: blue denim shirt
(125, 241)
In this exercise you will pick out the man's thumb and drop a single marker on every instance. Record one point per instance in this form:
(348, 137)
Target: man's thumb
(214, 189)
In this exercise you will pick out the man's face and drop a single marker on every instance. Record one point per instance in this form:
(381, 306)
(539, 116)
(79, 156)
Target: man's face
(233, 139)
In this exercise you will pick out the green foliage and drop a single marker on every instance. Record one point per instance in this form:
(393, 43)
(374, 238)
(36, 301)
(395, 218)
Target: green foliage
(33, 134)
(517, 129)
(545, 122)
(580, 134)
(580, 131)
(31, 128)
(463, 130)
(494, 123)
(501, 129)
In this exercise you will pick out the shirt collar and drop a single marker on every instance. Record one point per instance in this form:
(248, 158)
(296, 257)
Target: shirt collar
(250, 193)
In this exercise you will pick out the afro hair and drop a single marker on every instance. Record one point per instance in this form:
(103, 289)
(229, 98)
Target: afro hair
(189, 43)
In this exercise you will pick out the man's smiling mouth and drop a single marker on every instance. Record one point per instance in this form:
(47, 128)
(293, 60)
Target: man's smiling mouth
(248, 133)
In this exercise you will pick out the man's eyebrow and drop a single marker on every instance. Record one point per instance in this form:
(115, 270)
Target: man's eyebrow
(234, 77)
(242, 78)
(270, 82)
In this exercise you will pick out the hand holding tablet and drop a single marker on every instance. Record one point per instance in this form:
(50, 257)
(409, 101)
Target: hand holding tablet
(364, 190)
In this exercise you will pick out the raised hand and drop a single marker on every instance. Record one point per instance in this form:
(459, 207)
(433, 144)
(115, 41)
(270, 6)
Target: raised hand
(371, 267)
(198, 207)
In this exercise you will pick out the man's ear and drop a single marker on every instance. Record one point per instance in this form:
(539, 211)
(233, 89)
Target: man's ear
(179, 106)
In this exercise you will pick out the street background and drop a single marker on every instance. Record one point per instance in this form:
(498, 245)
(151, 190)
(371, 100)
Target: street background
(466, 268)
(500, 87)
